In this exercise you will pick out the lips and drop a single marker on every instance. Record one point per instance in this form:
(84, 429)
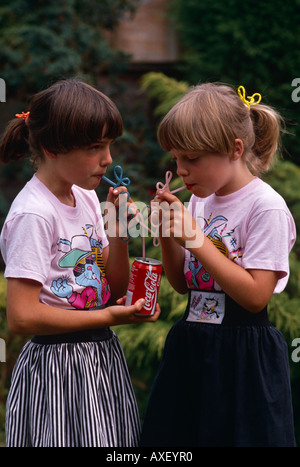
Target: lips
(188, 186)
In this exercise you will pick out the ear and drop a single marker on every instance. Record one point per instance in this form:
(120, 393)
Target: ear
(238, 151)
(49, 154)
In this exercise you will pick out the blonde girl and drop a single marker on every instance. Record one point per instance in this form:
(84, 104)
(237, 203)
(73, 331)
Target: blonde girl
(224, 375)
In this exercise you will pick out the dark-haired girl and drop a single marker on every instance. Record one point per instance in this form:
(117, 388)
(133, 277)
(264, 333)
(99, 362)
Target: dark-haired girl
(70, 385)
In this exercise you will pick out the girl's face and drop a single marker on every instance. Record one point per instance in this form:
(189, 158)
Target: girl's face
(84, 167)
(205, 173)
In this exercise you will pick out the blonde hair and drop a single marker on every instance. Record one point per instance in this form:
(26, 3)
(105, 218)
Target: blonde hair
(211, 116)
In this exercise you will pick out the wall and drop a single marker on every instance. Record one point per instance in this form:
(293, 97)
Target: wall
(147, 35)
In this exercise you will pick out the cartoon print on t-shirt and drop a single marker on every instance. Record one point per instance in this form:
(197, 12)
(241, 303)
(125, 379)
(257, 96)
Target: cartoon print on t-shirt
(84, 256)
(209, 310)
(215, 229)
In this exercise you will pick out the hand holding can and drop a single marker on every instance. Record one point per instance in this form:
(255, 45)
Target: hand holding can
(144, 282)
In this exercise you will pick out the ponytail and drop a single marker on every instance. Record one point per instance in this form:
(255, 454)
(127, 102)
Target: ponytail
(267, 125)
(14, 141)
(211, 116)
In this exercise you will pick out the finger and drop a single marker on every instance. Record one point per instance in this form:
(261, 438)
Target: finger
(138, 305)
(131, 309)
(157, 310)
(114, 193)
(167, 196)
(155, 315)
(121, 300)
(110, 195)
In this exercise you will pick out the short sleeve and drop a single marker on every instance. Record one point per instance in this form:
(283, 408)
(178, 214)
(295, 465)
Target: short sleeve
(100, 230)
(92, 198)
(270, 237)
(27, 242)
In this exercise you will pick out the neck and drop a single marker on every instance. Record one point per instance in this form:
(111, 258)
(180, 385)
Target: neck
(63, 193)
(241, 176)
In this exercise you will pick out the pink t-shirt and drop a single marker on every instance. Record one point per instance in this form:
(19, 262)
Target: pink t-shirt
(253, 227)
(57, 245)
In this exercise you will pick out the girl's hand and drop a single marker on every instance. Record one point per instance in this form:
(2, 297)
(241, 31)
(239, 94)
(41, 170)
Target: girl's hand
(114, 193)
(119, 210)
(121, 314)
(177, 222)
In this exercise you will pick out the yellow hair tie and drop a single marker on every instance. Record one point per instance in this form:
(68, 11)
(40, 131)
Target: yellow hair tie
(250, 100)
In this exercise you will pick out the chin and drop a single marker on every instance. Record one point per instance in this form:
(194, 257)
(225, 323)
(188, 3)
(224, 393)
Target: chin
(201, 193)
(89, 186)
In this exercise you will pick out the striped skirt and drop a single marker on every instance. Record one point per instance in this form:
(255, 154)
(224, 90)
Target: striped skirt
(72, 395)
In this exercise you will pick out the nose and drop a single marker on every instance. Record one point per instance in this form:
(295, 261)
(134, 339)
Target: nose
(181, 170)
(105, 158)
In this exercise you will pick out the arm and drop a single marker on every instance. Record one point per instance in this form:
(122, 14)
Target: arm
(27, 315)
(172, 253)
(173, 261)
(115, 256)
(252, 289)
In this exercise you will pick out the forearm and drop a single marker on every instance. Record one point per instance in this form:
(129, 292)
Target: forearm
(117, 267)
(44, 319)
(27, 315)
(251, 289)
(173, 261)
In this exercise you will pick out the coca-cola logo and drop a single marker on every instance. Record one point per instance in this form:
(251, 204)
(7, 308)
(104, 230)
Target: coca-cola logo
(150, 284)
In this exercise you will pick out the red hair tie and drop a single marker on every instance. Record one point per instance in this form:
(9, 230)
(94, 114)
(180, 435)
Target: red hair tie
(23, 115)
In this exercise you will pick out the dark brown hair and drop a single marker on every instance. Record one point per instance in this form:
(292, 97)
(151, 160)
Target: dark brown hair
(69, 114)
(211, 116)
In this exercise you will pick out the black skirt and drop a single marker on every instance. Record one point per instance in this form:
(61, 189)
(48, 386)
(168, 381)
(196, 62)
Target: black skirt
(222, 384)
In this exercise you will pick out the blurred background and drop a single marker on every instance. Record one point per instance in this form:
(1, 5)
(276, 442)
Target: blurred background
(145, 54)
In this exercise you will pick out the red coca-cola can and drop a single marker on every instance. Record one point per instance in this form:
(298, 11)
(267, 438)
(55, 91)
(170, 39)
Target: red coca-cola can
(144, 282)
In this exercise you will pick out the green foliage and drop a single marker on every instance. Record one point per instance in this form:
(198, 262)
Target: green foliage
(167, 91)
(55, 40)
(285, 179)
(229, 42)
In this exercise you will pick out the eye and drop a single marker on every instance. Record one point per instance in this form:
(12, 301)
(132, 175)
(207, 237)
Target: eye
(193, 158)
(94, 147)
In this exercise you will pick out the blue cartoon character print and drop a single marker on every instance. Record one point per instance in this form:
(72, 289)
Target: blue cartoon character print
(84, 257)
(215, 229)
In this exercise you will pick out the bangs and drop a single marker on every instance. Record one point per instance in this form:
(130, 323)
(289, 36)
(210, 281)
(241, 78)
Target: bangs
(78, 116)
(99, 118)
(183, 134)
(200, 121)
